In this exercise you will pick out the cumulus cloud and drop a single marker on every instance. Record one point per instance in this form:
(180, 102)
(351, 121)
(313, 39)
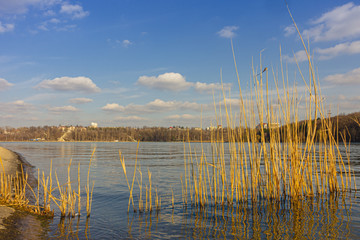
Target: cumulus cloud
(7, 27)
(340, 23)
(49, 13)
(113, 107)
(348, 98)
(22, 6)
(299, 56)
(80, 100)
(155, 106)
(63, 109)
(347, 48)
(18, 106)
(228, 31)
(289, 30)
(130, 118)
(181, 117)
(159, 105)
(75, 11)
(4, 84)
(52, 23)
(82, 84)
(352, 77)
(9, 116)
(209, 87)
(167, 81)
(176, 82)
(48, 10)
(126, 43)
(234, 102)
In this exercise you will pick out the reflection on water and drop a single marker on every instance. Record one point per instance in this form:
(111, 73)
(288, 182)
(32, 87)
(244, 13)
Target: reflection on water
(333, 217)
(311, 218)
(69, 228)
(316, 218)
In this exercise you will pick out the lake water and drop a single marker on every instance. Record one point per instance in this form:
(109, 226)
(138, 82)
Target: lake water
(324, 218)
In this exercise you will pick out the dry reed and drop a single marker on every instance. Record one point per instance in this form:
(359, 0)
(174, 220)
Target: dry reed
(286, 158)
(13, 191)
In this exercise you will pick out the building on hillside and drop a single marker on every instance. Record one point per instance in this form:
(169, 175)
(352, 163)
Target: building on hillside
(94, 125)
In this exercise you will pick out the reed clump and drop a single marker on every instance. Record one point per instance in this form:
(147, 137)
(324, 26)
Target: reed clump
(17, 191)
(269, 153)
(150, 201)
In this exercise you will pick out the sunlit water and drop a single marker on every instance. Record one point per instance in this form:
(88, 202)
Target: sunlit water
(321, 218)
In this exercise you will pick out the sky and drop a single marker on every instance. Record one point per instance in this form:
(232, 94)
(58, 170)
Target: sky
(161, 63)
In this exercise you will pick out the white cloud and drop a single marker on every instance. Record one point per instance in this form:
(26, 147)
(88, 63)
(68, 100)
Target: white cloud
(227, 32)
(22, 6)
(233, 102)
(114, 107)
(126, 43)
(289, 30)
(352, 77)
(155, 106)
(75, 11)
(9, 116)
(159, 105)
(130, 118)
(4, 84)
(82, 84)
(52, 23)
(209, 87)
(183, 117)
(348, 98)
(299, 56)
(167, 81)
(176, 82)
(20, 103)
(49, 13)
(80, 100)
(65, 28)
(347, 48)
(53, 13)
(18, 106)
(340, 23)
(7, 27)
(63, 109)
(54, 20)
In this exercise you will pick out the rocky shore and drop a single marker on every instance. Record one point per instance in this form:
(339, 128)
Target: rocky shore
(15, 224)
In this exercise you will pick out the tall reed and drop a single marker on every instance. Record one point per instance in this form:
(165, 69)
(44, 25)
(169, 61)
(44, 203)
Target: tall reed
(148, 187)
(14, 190)
(89, 193)
(269, 152)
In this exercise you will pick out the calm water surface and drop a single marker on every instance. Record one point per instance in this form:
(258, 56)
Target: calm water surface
(333, 217)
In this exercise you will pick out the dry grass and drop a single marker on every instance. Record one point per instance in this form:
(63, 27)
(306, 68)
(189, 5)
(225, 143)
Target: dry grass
(148, 188)
(14, 191)
(293, 160)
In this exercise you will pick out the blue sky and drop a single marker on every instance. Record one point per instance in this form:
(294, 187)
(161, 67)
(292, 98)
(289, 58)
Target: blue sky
(156, 63)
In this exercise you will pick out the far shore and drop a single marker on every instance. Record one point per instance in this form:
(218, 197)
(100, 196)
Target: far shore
(204, 141)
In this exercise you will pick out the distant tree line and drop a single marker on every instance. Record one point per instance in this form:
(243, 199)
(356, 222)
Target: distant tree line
(344, 126)
(121, 134)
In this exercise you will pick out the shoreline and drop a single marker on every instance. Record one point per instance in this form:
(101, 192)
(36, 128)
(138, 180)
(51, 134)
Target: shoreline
(11, 165)
(14, 223)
